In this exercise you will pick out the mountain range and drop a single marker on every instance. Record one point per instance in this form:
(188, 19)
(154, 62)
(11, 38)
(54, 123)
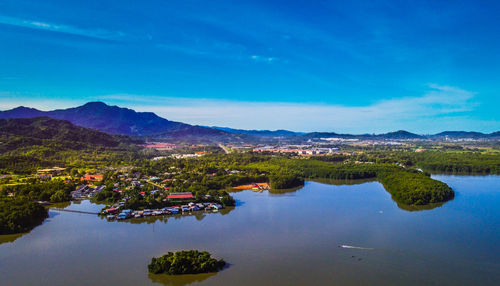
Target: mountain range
(123, 121)
(115, 120)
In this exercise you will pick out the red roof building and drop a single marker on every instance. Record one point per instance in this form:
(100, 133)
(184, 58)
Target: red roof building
(180, 196)
(92, 178)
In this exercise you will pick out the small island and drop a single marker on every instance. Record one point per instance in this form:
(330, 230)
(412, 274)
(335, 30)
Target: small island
(185, 262)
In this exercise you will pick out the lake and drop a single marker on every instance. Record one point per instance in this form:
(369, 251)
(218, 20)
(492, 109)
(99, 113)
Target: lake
(290, 238)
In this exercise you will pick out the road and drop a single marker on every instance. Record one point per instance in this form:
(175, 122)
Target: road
(224, 148)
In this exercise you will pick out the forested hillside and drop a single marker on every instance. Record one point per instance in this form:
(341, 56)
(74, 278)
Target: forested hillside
(29, 143)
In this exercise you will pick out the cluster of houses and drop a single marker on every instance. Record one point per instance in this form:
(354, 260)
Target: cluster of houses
(118, 212)
(85, 191)
(299, 151)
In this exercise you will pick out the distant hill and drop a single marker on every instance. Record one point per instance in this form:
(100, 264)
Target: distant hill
(266, 133)
(461, 134)
(114, 120)
(495, 134)
(400, 134)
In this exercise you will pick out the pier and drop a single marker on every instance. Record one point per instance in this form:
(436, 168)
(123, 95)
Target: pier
(73, 211)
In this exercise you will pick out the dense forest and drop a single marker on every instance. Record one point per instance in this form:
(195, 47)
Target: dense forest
(436, 161)
(20, 215)
(54, 191)
(185, 262)
(460, 163)
(414, 188)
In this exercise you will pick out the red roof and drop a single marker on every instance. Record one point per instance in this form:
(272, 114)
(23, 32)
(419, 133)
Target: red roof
(180, 196)
(93, 178)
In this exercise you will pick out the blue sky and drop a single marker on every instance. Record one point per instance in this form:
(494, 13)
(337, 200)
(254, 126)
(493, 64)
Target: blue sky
(343, 66)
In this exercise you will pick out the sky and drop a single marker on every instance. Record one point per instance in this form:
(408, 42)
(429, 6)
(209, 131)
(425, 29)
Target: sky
(341, 66)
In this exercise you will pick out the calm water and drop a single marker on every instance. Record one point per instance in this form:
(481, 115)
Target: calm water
(278, 239)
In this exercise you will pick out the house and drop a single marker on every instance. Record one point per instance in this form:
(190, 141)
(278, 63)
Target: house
(81, 191)
(92, 178)
(99, 189)
(180, 196)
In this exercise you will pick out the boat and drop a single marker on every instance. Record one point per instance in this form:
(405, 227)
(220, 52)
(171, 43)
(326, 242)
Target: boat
(122, 216)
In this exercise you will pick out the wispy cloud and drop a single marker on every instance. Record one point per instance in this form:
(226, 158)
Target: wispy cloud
(265, 59)
(217, 50)
(61, 28)
(440, 108)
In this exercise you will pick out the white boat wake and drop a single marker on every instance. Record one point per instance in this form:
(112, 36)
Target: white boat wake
(355, 247)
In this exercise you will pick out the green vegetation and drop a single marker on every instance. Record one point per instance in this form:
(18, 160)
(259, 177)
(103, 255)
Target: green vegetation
(54, 191)
(185, 262)
(414, 188)
(460, 163)
(285, 179)
(20, 215)
(29, 144)
(438, 159)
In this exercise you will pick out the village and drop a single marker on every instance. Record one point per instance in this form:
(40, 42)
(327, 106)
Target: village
(118, 212)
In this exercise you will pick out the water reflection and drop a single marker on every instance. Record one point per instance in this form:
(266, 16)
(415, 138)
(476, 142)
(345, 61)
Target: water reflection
(179, 280)
(8, 238)
(338, 182)
(285, 191)
(415, 208)
(63, 204)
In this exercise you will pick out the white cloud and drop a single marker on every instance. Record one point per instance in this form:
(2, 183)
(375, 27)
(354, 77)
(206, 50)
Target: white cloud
(68, 29)
(441, 108)
(258, 58)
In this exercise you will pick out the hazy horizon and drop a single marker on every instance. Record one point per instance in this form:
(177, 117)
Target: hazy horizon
(277, 129)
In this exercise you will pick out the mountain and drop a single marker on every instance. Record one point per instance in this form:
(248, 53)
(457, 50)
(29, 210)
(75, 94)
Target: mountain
(43, 131)
(495, 134)
(400, 134)
(115, 120)
(265, 133)
(461, 134)
(21, 112)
